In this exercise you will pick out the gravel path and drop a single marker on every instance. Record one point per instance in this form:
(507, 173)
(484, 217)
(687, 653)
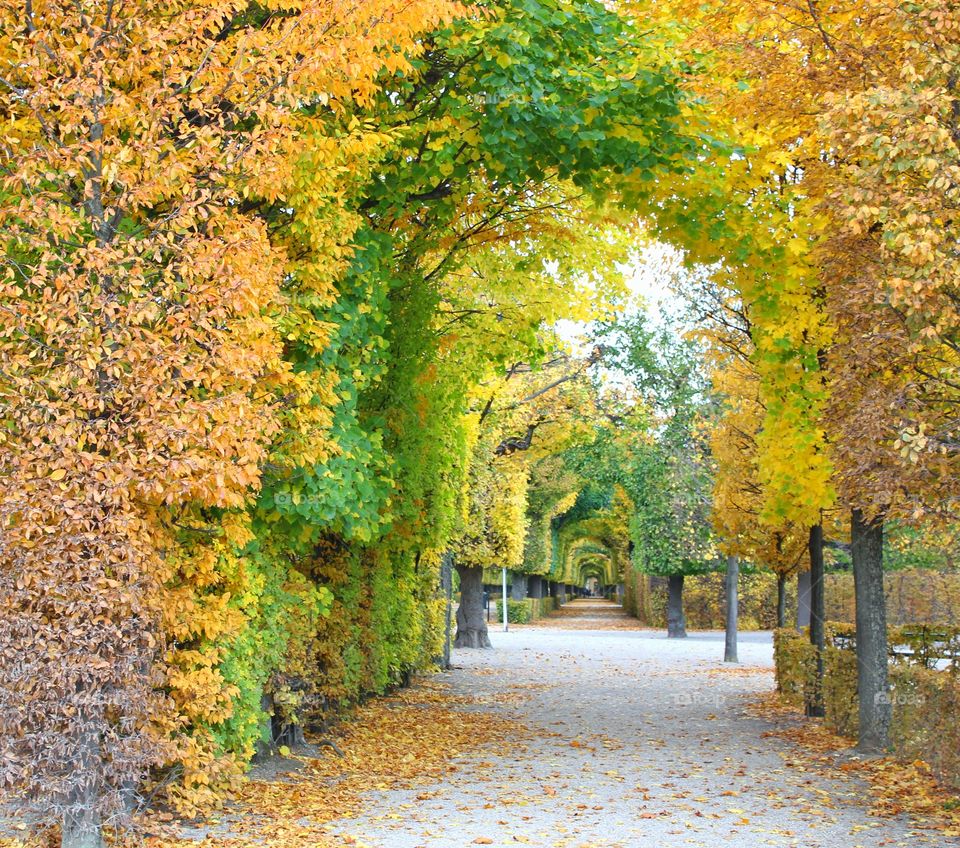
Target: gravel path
(634, 740)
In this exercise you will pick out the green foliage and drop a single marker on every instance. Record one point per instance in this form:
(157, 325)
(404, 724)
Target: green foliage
(657, 453)
(905, 547)
(282, 608)
(553, 490)
(503, 117)
(521, 95)
(518, 612)
(670, 527)
(347, 492)
(385, 621)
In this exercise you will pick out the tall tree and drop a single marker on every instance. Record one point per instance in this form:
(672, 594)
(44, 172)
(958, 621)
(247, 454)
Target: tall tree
(666, 464)
(143, 375)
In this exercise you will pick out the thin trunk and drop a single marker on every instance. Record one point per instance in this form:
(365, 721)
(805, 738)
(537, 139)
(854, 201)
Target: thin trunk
(815, 698)
(803, 599)
(82, 825)
(82, 829)
(518, 586)
(730, 643)
(781, 600)
(676, 622)
(471, 624)
(866, 546)
(446, 583)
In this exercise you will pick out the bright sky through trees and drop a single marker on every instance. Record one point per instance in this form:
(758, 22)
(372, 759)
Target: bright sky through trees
(280, 290)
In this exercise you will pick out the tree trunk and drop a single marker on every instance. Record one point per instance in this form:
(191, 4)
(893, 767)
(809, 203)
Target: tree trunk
(730, 642)
(866, 546)
(446, 584)
(518, 585)
(82, 829)
(82, 824)
(814, 706)
(676, 622)
(471, 624)
(535, 587)
(781, 600)
(803, 599)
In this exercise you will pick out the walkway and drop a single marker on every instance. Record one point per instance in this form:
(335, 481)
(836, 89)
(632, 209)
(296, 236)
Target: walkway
(631, 740)
(590, 614)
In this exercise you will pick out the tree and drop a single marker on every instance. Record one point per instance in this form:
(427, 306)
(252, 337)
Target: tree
(864, 147)
(739, 498)
(143, 377)
(523, 417)
(553, 491)
(666, 464)
(492, 536)
(730, 585)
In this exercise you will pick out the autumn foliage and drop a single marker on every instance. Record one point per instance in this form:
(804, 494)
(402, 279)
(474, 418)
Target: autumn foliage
(277, 308)
(255, 256)
(143, 380)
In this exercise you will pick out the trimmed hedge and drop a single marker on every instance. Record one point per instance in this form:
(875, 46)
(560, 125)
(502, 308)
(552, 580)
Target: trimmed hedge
(912, 595)
(546, 606)
(926, 719)
(795, 660)
(645, 597)
(518, 612)
(527, 610)
(919, 594)
(926, 702)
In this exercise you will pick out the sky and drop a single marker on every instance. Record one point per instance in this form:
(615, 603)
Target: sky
(648, 276)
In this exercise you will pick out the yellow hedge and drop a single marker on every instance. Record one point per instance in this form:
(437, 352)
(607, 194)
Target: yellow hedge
(926, 702)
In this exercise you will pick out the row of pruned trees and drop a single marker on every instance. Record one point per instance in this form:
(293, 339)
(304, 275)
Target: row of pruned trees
(261, 262)
(837, 356)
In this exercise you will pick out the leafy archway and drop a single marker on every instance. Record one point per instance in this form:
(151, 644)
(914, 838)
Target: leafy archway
(279, 288)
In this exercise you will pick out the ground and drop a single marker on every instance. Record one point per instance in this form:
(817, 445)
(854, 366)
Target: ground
(583, 731)
(633, 739)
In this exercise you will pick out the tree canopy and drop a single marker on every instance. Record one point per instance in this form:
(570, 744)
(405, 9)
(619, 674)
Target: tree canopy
(280, 301)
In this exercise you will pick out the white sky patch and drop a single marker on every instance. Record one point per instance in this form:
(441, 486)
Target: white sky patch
(648, 276)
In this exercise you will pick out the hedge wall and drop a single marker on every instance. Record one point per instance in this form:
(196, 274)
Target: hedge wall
(645, 597)
(527, 610)
(912, 595)
(926, 702)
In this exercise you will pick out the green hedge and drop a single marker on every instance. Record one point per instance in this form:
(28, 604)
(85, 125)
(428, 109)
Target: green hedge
(926, 703)
(547, 605)
(527, 610)
(518, 612)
